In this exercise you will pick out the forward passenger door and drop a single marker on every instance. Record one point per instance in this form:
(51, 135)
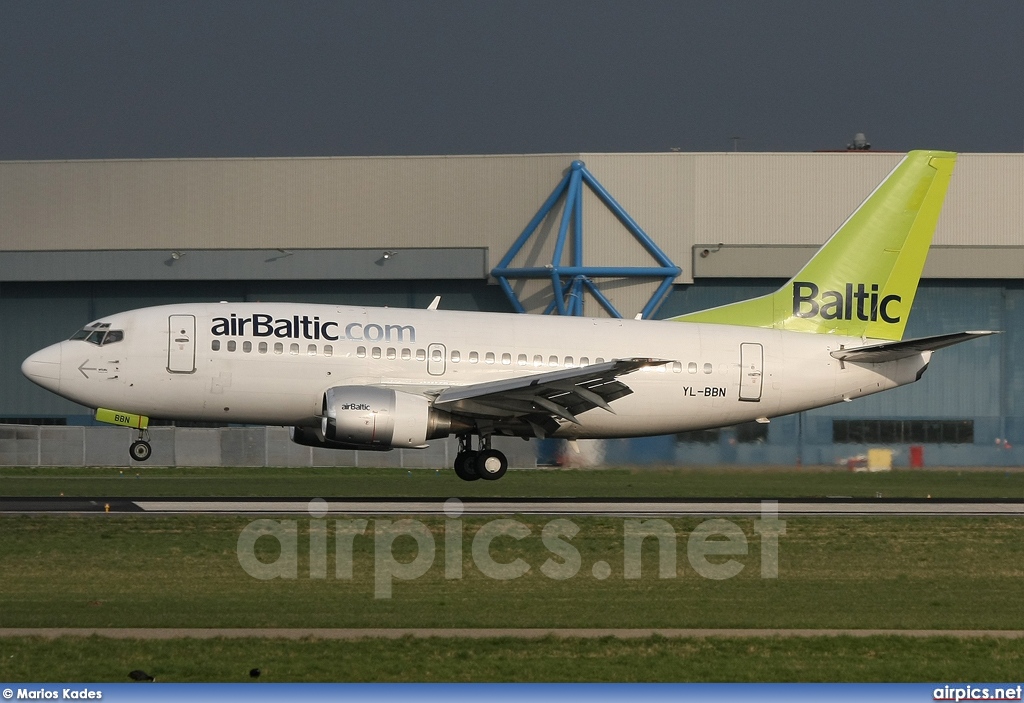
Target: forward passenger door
(181, 344)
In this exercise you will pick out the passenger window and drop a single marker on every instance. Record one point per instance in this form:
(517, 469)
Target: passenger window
(708, 368)
(521, 360)
(553, 361)
(489, 358)
(263, 347)
(456, 357)
(473, 357)
(691, 367)
(406, 355)
(375, 352)
(278, 348)
(599, 360)
(231, 345)
(293, 349)
(247, 346)
(677, 367)
(391, 353)
(311, 350)
(421, 355)
(328, 350)
(538, 360)
(584, 361)
(568, 361)
(361, 352)
(436, 355)
(506, 359)
(215, 345)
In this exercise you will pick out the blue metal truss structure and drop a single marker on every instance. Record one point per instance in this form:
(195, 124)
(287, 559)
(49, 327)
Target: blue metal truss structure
(570, 282)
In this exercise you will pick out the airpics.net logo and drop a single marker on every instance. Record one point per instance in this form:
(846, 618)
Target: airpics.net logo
(714, 549)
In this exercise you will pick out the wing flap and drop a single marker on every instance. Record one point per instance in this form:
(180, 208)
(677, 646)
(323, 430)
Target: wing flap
(562, 394)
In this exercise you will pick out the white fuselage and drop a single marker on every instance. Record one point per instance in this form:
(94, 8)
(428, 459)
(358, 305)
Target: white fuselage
(202, 362)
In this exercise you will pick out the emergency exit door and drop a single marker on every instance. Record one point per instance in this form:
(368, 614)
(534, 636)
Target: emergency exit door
(436, 359)
(751, 361)
(181, 343)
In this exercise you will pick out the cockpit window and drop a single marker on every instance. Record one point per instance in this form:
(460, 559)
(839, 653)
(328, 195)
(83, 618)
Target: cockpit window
(99, 333)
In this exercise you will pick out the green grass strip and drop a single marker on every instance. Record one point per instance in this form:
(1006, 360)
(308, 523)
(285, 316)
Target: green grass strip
(816, 659)
(184, 571)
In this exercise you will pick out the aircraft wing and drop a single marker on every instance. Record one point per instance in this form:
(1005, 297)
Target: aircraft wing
(892, 351)
(539, 399)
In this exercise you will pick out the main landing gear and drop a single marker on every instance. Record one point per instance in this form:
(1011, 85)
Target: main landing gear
(486, 463)
(141, 449)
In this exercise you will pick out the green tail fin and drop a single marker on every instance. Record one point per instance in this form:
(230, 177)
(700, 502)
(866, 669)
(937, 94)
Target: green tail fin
(862, 282)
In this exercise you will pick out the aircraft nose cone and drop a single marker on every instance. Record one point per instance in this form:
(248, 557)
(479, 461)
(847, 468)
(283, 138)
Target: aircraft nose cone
(43, 367)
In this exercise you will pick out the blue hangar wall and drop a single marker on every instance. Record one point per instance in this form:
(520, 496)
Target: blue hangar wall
(967, 409)
(971, 396)
(37, 314)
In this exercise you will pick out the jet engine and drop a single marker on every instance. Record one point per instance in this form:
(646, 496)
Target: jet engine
(362, 417)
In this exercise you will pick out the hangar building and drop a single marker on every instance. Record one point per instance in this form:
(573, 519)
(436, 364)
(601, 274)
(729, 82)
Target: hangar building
(83, 239)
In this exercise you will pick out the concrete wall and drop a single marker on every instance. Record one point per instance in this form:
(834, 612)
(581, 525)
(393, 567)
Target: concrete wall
(783, 448)
(277, 219)
(27, 445)
(681, 199)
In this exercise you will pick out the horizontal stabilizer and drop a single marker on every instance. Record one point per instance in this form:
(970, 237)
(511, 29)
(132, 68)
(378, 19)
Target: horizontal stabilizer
(893, 351)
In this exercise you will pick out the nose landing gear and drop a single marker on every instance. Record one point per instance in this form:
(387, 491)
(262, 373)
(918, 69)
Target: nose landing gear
(486, 463)
(141, 449)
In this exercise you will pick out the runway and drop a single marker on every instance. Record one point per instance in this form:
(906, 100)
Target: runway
(456, 507)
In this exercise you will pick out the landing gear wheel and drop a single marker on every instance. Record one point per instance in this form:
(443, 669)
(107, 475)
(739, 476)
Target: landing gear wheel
(465, 466)
(140, 450)
(491, 464)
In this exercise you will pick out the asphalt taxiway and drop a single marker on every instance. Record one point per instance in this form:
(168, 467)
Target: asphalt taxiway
(319, 507)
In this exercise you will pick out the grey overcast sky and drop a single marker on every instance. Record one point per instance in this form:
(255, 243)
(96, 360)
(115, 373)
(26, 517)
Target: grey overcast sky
(141, 79)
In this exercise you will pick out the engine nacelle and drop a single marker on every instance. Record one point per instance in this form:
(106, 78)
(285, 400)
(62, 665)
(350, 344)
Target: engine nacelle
(378, 418)
(313, 437)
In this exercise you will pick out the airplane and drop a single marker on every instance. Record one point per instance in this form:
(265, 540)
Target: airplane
(380, 378)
